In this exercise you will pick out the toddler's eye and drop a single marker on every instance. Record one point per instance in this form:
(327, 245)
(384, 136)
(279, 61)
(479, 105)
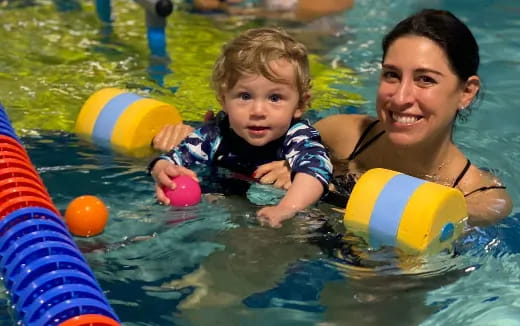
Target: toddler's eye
(245, 96)
(275, 98)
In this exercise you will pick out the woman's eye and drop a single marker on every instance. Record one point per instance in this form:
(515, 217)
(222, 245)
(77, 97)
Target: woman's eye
(426, 80)
(275, 98)
(390, 75)
(244, 96)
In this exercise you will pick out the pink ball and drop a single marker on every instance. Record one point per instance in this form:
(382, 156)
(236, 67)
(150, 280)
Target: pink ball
(187, 192)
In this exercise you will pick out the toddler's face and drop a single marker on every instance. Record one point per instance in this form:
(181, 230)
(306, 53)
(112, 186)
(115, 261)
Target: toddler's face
(261, 110)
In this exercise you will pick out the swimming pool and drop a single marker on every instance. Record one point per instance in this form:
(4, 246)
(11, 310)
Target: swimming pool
(212, 264)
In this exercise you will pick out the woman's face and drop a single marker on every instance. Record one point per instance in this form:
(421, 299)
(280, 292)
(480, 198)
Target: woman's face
(418, 93)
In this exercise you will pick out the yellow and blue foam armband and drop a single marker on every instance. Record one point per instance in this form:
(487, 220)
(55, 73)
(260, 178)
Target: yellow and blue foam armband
(126, 121)
(395, 209)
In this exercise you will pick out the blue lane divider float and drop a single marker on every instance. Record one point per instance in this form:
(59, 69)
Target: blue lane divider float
(46, 276)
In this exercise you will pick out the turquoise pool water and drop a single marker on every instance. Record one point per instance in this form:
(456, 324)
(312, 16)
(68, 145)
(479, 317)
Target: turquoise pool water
(212, 264)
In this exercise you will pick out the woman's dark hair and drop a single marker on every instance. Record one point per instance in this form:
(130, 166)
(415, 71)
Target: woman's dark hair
(448, 32)
(451, 34)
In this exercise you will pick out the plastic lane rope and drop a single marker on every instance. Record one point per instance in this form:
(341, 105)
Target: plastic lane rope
(126, 121)
(398, 210)
(161, 8)
(104, 10)
(46, 276)
(156, 13)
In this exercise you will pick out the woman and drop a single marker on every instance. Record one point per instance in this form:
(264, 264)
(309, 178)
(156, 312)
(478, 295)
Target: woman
(300, 10)
(428, 79)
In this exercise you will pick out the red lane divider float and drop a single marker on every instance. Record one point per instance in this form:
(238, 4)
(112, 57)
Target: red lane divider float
(44, 272)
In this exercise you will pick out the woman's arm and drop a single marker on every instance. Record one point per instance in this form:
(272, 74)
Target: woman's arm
(487, 201)
(307, 10)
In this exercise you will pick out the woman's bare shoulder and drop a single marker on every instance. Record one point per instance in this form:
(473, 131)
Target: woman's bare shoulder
(487, 198)
(348, 118)
(340, 132)
(343, 124)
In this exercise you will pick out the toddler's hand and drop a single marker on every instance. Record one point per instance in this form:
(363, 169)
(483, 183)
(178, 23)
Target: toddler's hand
(277, 173)
(275, 215)
(163, 172)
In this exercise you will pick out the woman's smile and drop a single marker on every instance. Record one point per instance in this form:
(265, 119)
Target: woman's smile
(405, 119)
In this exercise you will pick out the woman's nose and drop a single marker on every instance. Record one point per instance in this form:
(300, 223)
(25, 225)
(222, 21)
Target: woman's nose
(404, 93)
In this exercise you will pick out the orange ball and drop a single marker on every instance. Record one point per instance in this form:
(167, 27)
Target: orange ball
(86, 216)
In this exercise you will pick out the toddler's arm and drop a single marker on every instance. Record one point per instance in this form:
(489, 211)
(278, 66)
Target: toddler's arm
(304, 191)
(311, 168)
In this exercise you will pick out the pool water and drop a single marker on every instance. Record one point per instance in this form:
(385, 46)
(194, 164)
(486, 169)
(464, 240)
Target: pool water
(212, 263)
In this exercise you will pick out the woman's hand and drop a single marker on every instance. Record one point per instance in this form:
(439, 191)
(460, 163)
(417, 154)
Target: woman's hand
(171, 136)
(277, 173)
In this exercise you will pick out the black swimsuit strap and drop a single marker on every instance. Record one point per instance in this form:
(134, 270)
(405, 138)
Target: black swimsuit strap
(462, 173)
(360, 148)
(483, 189)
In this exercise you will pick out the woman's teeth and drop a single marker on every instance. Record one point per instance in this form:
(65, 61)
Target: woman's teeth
(406, 119)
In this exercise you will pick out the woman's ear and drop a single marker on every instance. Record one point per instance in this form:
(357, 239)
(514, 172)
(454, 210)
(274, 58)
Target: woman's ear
(470, 91)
